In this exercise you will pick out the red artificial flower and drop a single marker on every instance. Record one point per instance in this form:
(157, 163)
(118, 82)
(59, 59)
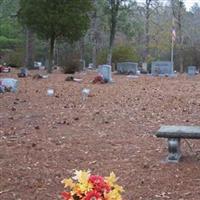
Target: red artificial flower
(66, 195)
(99, 184)
(93, 195)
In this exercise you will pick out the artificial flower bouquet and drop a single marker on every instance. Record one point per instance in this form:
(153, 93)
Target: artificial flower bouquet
(84, 186)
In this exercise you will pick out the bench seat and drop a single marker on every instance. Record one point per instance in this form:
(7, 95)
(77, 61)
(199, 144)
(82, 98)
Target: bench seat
(190, 132)
(174, 135)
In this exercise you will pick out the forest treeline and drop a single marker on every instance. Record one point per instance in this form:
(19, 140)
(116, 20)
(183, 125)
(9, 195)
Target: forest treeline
(98, 31)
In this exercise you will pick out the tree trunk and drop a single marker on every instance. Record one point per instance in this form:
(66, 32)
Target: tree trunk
(94, 56)
(94, 35)
(29, 59)
(177, 9)
(52, 41)
(109, 56)
(147, 15)
(112, 37)
(180, 37)
(114, 12)
(82, 53)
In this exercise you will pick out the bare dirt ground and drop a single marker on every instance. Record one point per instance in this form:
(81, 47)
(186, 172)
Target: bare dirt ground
(43, 139)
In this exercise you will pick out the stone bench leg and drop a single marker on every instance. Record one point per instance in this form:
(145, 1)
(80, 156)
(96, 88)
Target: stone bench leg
(174, 150)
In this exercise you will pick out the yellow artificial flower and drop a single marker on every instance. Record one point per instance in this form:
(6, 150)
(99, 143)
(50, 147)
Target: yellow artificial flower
(113, 195)
(82, 176)
(118, 188)
(112, 179)
(86, 187)
(68, 183)
(76, 190)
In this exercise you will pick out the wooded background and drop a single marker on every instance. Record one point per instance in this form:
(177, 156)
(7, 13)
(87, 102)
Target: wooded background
(116, 30)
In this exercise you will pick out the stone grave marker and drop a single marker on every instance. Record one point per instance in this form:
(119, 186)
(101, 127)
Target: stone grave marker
(127, 68)
(24, 71)
(144, 67)
(106, 72)
(9, 84)
(192, 70)
(162, 68)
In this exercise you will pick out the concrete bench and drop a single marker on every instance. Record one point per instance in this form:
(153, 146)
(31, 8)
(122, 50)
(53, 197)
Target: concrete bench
(174, 135)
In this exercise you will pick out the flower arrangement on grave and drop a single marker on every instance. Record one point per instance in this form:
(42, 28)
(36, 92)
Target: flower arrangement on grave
(84, 186)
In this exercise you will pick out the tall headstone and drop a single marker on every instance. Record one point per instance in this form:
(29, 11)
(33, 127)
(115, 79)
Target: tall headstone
(106, 72)
(127, 68)
(192, 70)
(162, 68)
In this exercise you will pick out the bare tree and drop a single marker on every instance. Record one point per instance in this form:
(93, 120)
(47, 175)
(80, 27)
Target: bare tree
(114, 8)
(150, 7)
(177, 10)
(147, 16)
(29, 58)
(94, 33)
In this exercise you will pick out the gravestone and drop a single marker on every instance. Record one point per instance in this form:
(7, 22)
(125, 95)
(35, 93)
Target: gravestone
(37, 65)
(106, 72)
(85, 93)
(192, 70)
(162, 68)
(50, 92)
(127, 68)
(144, 68)
(9, 84)
(24, 71)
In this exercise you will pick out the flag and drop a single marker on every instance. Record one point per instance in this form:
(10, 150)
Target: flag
(174, 34)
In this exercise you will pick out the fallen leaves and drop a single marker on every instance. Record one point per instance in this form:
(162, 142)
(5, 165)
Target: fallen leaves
(110, 131)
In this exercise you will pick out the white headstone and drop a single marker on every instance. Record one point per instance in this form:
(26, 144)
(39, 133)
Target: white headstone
(106, 72)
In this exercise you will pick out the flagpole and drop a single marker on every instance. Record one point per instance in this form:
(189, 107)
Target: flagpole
(172, 44)
(172, 54)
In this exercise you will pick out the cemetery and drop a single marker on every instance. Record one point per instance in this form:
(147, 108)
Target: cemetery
(50, 127)
(99, 100)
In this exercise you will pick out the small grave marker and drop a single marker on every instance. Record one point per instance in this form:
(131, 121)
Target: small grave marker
(85, 93)
(192, 70)
(50, 92)
(23, 72)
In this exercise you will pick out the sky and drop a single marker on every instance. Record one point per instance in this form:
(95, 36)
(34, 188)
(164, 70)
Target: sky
(188, 3)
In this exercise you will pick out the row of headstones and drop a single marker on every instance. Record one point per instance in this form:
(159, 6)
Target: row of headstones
(132, 68)
(122, 68)
(157, 68)
(166, 68)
